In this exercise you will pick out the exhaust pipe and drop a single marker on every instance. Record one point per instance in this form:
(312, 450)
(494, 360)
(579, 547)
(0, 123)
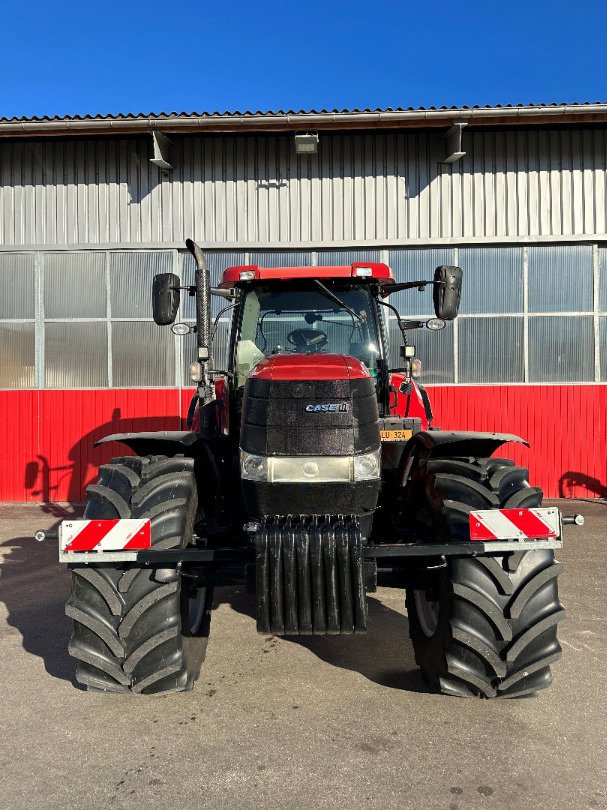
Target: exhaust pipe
(203, 319)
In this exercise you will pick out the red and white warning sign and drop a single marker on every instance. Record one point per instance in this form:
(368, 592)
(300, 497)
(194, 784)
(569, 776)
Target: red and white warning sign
(105, 535)
(515, 524)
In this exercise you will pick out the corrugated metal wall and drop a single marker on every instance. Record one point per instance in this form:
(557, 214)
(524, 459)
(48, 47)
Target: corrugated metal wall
(48, 436)
(254, 190)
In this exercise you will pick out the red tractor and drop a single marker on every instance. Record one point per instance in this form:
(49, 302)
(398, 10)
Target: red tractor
(309, 464)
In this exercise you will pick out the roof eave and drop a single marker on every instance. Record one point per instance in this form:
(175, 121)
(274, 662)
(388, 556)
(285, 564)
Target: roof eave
(275, 122)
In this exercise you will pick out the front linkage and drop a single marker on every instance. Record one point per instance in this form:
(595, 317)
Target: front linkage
(312, 571)
(230, 555)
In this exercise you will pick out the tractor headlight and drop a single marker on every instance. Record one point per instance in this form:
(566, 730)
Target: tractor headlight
(310, 469)
(367, 466)
(252, 467)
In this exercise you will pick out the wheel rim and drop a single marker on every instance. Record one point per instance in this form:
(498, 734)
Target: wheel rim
(427, 613)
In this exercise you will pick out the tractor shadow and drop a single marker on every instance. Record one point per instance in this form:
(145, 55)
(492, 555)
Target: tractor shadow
(68, 480)
(35, 589)
(383, 654)
(571, 481)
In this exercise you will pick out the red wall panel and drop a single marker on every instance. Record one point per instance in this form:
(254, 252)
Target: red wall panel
(566, 426)
(46, 437)
(18, 442)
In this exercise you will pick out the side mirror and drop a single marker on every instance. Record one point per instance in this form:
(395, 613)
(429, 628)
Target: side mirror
(448, 292)
(165, 298)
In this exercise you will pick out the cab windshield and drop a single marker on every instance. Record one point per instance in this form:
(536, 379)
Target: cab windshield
(302, 319)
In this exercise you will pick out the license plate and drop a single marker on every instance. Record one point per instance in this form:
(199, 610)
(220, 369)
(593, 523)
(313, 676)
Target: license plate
(396, 435)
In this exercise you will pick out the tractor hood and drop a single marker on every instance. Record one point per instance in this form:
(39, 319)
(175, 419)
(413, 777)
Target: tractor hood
(309, 437)
(310, 367)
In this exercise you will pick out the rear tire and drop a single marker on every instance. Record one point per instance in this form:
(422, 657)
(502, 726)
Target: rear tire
(137, 628)
(485, 626)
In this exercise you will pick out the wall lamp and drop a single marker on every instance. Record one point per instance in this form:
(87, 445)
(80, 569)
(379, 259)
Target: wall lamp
(306, 144)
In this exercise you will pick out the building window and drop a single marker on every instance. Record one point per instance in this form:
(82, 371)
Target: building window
(83, 319)
(142, 354)
(560, 279)
(75, 285)
(561, 349)
(75, 320)
(603, 342)
(17, 355)
(491, 349)
(17, 320)
(75, 355)
(528, 314)
(493, 280)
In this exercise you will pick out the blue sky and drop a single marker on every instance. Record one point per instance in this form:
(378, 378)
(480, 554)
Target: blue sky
(70, 58)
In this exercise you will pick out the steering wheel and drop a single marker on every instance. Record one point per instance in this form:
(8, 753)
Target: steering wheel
(306, 339)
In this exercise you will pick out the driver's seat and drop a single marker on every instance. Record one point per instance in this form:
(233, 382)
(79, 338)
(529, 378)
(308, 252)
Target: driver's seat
(308, 339)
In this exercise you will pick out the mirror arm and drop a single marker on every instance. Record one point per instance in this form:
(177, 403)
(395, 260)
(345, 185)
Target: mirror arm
(388, 289)
(191, 290)
(230, 294)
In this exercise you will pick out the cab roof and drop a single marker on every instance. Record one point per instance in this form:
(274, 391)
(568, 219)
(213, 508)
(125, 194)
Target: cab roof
(242, 274)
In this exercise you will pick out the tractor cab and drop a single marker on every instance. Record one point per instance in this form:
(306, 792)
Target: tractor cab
(303, 341)
(306, 311)
(309, 385)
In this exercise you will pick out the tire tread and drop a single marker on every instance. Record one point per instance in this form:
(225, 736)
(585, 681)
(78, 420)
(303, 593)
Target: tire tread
(127, 625)
(504, 609)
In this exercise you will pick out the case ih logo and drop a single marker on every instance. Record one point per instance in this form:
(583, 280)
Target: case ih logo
(333, 407)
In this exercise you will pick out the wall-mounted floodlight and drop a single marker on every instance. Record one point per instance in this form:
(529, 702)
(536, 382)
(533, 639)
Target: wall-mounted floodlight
(162, 146)
(306, 144)
(453, 137)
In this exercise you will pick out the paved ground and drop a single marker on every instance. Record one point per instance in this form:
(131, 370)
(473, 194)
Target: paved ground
(276, 723)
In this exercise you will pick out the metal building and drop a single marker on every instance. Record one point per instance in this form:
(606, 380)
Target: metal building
(91, 208)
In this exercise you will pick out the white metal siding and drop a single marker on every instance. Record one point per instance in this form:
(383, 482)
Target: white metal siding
(377, 188)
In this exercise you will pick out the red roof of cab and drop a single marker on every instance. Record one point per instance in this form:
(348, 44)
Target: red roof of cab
(310, 367)
(379, 271)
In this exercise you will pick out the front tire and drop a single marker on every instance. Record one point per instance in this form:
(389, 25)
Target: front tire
(484, 626)
(137, 628)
